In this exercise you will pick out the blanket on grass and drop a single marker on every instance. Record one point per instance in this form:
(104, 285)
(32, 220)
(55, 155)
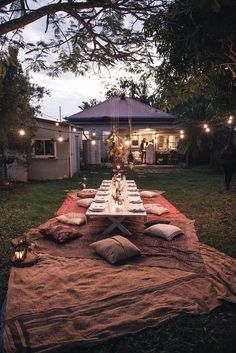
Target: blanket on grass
(62, 303)
(72, 297)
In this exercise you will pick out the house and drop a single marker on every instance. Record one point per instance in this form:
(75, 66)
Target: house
(55, 153)
(134, 121)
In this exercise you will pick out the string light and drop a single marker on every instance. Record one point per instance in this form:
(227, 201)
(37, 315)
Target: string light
(93, 134)
(206, 128)
(93, 142)
(181, 134)
(230, 120)
(60, 138)
(21, 132)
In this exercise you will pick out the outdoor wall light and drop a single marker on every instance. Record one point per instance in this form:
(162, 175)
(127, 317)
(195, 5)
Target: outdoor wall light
(21, 132)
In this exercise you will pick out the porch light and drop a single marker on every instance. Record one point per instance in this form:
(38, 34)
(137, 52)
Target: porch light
(21, 132)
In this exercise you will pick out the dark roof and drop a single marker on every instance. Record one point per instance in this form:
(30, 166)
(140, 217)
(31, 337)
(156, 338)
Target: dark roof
(121, 108)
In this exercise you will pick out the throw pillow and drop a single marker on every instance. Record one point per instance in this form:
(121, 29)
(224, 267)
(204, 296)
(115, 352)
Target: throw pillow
(115, 249)
(60, 233)
(148, 194)
(156, 209)
(74, 218)
(86, 193)
(152, 223)
(85, 202)
(165, 231)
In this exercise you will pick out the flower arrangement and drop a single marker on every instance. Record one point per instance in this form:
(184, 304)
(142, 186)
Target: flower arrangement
(116, 148)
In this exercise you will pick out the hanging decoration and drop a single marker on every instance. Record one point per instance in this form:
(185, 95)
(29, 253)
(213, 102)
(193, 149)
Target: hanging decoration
(116, 148)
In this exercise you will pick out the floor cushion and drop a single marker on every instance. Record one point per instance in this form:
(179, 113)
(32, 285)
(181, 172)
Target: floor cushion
(86, 193)
(156, 209)
(115, 249)
(60, 233)
(73, 218)
(148, 194)
(165, 231)
(85, 202)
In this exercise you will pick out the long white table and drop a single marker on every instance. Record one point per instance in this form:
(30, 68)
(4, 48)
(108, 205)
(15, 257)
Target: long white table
(104, 205)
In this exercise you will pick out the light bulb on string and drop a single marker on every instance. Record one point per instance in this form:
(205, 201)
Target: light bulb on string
(60, 138)
(74, 129)
(21, 132)
(230, 120)
(93, 142)
(205, 126)
(207, 129)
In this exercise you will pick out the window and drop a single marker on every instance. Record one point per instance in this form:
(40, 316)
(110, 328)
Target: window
(172, 142)
(160, 141)
(44, 148)
(135, 143)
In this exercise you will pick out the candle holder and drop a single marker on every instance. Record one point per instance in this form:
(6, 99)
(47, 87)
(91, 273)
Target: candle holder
(21, 251)
(23, 254)
(83, 183)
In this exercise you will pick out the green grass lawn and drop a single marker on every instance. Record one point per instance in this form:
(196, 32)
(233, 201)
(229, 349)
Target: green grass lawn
(199, 194)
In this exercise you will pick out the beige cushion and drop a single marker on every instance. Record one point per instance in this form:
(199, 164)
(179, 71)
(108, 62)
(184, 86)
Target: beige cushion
(156, 209)
(148, 194)
(86, 193)
(85, 202)
(115, 249)
(74, 218)
(165, 231)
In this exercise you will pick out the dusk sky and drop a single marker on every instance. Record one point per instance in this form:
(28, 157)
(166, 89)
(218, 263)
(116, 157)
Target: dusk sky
(67, 91)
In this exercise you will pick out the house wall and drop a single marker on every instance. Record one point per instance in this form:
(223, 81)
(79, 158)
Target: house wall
(59, 166)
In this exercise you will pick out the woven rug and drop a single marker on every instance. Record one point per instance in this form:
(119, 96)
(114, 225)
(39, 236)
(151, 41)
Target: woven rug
(72, 297)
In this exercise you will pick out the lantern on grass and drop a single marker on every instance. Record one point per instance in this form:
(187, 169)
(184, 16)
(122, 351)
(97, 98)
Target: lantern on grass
(83, 183)
(21, 251)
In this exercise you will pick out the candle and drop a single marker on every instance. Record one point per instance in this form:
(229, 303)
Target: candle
(19, 254)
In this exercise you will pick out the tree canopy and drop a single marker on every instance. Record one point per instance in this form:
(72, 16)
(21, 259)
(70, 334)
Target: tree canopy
(18, 106)
(79, 32)
(194, 37)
